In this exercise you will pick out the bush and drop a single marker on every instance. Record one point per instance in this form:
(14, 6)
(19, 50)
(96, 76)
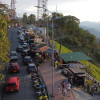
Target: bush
(89, 82)
(97, 55)
(1, 76)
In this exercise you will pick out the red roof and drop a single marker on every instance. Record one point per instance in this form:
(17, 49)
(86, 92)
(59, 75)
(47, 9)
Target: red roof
(42, 49)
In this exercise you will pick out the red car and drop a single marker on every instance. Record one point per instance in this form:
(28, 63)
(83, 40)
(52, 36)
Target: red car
(13, 84)
(14, 67)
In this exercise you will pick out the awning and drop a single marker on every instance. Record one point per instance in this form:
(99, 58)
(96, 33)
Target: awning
(42, 49)
(75, 56)
(49, 51)
(77, 70)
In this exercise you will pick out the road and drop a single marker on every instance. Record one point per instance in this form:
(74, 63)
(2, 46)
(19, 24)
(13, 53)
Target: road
(26, 92)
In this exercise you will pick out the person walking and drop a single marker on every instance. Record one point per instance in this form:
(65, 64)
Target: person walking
(71, 82)
(59, 89)
(68, 88)
(63, 85)
(64, 92)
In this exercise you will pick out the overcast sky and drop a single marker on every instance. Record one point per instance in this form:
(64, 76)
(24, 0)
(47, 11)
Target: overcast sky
(85, 10)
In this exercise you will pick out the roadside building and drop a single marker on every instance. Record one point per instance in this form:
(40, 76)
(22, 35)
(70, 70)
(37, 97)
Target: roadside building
(73, 69)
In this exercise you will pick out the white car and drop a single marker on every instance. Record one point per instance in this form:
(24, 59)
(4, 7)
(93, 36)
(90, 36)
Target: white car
(21, 37)
(13, 55)
(25, 45)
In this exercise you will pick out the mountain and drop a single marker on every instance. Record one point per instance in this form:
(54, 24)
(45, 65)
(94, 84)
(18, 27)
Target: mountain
(92, 27)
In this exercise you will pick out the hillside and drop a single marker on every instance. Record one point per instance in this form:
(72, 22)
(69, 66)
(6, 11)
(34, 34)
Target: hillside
(92, 27)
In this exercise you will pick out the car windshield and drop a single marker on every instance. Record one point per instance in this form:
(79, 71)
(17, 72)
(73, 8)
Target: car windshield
(31, 67)
(27, 59)
(13, 54)
(13, 66)
(11, 84)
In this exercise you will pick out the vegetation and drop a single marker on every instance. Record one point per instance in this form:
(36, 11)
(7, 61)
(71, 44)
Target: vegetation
(68, 27)
(4, 43)
(91, 68)
(68, 32)
(28, 19)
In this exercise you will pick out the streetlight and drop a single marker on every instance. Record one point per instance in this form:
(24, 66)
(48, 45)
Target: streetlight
(52, 50)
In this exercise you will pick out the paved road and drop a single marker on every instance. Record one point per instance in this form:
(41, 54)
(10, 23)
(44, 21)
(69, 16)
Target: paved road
(26, 91)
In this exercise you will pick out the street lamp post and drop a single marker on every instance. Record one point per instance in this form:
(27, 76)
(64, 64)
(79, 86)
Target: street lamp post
(52, 59)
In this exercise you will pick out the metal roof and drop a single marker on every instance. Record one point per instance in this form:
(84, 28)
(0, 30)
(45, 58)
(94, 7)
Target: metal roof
(42, 49)
(75, 56)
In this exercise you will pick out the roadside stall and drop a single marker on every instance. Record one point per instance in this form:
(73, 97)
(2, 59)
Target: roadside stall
(41, 52)
(72, 67)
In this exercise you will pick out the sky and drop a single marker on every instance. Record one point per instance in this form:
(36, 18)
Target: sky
(85, 10)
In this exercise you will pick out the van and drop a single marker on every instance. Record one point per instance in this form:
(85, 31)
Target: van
(13, 84)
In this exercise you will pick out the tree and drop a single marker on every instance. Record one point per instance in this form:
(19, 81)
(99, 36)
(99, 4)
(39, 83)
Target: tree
(54, 15)
(4, 43)
(31, 19)
(24, 19)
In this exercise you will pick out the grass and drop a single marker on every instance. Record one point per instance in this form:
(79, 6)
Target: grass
(93, 69)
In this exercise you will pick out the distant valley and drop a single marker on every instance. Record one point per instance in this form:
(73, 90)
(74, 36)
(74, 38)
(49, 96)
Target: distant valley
(92, 27)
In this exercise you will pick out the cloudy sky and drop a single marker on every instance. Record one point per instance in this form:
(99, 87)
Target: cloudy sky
(85, 10)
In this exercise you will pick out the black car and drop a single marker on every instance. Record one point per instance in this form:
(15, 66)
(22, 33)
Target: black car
(19, 49)
(31, 41)
(31, 67)
(27, 59)
(25, 52)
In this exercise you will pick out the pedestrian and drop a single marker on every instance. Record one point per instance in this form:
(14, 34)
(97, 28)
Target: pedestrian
(68, 88)
(71, 82)
(64, 92)
(59, 89)
(63, 85)
(66, 80)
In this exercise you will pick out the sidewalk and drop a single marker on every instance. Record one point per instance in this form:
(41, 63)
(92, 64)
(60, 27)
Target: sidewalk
(46, 71)
(80, 94)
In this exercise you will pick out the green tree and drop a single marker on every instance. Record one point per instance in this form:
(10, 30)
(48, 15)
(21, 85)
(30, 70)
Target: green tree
(24, 19)
(4, 43)
(31, 19)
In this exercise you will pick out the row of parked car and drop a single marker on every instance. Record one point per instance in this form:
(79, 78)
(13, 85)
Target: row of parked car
(14, 66)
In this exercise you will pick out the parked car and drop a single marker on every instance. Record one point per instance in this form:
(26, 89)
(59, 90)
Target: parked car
(27, 59)
(31, 67)
(13, 84)
(19, 48)
(25, 52)
(31, 41)
(25, 45)
(14, 67)
(21, 37)
(23, 42)
(13, 55)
